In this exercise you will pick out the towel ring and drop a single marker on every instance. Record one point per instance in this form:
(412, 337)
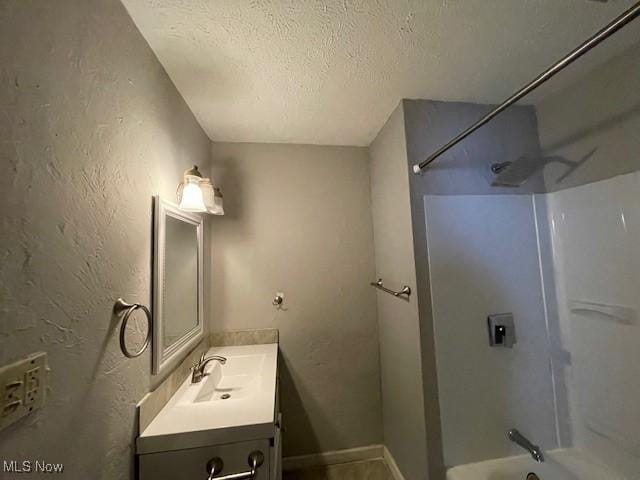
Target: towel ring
(121, 307)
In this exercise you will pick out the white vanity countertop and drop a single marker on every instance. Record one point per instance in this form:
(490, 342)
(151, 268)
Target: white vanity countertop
(198, 415)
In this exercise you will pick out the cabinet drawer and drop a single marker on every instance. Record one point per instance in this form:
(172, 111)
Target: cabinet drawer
(191, 464)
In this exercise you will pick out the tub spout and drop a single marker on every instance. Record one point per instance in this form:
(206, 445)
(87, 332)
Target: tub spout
(534, 450)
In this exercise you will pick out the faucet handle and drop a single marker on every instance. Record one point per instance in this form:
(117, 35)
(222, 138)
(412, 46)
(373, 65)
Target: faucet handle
(198, 363)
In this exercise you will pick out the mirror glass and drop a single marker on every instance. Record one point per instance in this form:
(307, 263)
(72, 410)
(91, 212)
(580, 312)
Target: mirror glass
(180, 302)
(178, 289)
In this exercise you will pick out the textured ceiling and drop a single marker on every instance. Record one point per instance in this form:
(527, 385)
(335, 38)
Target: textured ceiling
(330, 72)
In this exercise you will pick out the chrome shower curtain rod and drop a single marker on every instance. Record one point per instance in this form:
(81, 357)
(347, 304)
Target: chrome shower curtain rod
(631, 14)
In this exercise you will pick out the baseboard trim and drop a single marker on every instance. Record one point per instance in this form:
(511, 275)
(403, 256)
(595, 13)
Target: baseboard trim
(331, 458)
(391, 463)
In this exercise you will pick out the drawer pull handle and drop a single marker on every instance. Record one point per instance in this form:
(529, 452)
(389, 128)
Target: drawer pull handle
(215, 466)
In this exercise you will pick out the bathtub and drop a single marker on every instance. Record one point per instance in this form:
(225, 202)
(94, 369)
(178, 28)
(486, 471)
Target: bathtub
(562, 464)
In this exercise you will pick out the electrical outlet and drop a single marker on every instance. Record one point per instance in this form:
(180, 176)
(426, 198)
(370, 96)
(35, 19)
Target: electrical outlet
(32, 389)
(32, 380)
(23, 384)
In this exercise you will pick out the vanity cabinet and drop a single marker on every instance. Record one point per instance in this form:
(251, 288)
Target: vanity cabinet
(276, 451)
(227, 418)
(191, 464)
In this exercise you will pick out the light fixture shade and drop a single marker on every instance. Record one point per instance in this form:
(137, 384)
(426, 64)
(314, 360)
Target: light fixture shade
(212, 197)
(207, 193)
(192, 198)
(218, 206)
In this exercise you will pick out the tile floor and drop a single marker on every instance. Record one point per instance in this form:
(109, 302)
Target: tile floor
(366, 470)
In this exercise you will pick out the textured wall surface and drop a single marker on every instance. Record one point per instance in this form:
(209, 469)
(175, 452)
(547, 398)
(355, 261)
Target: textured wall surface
(466, 168)
(90, 128)
(594, 122)
(400, 345)
(298, 220)
(330, 72)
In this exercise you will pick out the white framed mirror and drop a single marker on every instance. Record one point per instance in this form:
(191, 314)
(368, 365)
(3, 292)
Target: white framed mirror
(177, 283)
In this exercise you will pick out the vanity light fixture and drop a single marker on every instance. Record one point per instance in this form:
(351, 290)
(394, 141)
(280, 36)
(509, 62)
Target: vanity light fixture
(212, 197)
(197, 194)
(189, 192)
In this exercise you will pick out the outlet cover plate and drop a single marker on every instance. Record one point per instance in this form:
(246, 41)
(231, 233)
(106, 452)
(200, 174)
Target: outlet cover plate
(22, 387)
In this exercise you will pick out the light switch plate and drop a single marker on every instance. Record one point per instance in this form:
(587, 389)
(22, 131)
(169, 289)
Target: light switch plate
(22, 387)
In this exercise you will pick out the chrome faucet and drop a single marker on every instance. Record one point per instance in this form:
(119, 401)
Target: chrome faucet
(536, 452)
(197, 371)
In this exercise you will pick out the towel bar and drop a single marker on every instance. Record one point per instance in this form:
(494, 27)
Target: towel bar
(406, 290)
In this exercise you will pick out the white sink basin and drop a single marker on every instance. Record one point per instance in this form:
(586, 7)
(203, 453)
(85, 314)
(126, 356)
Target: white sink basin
(234, 401)
(238, 378)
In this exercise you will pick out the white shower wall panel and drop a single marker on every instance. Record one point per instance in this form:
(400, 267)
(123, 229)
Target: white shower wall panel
(596, 248)
(484, 259)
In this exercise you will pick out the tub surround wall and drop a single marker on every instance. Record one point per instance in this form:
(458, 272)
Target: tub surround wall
(91, 127)
(594, 228)
(297, 220)
(483, 256)
(398, 321)
(577, 125)
(465, 170)
(557, 354)
(595, 249)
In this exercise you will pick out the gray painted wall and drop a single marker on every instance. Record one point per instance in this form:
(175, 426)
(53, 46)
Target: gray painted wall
(596, 120)
(90, 128)
(465, 169)
(298, 220)
(400, 340)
